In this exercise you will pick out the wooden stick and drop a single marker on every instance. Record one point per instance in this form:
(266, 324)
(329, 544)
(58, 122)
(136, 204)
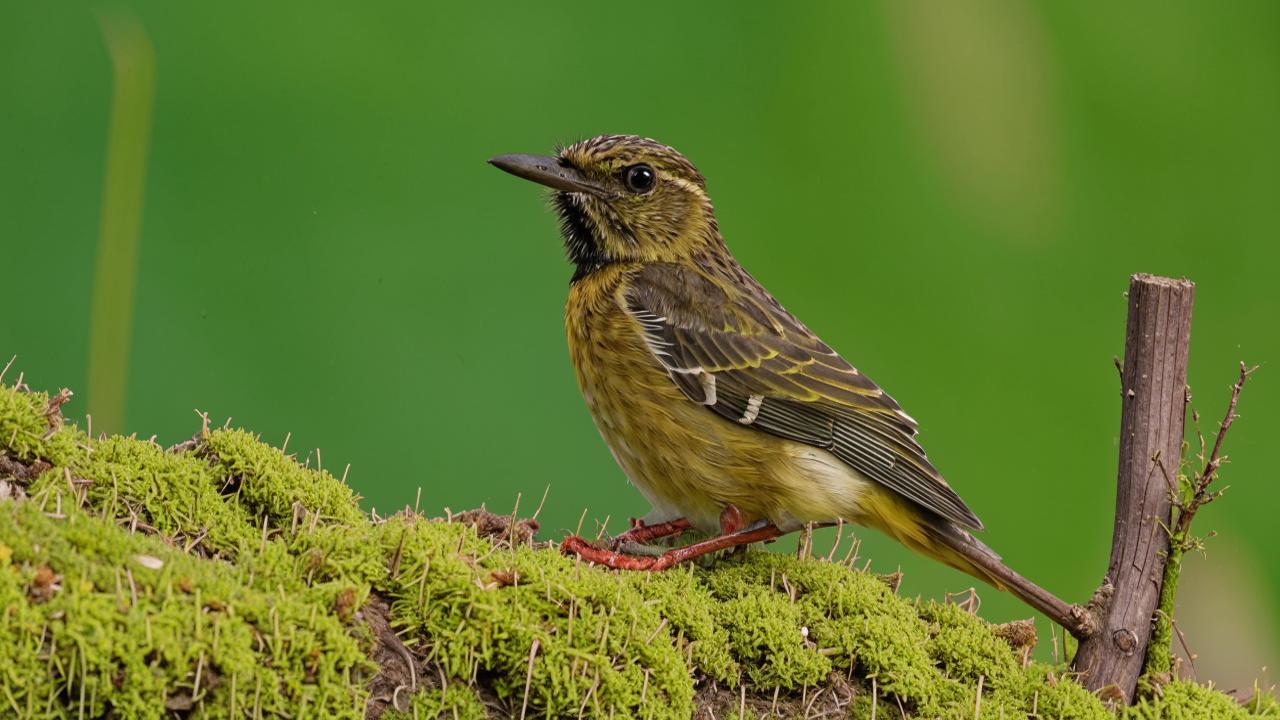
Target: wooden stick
(1153, 398)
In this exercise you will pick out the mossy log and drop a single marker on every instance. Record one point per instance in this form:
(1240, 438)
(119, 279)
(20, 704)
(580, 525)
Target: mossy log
(221, 578)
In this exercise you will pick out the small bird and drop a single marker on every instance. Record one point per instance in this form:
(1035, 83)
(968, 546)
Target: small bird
(727, 413)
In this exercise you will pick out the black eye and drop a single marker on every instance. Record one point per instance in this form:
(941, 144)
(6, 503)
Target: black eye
(640, 178)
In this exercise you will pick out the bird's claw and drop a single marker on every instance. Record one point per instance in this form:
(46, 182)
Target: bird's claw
(581, 547)
(643, 534)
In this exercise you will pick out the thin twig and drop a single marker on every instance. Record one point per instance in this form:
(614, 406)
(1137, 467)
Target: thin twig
(1182, 640)
(511, 526)
(836, 544)
(875, 696)
(1200, 488)
(977, 703)
(545, 491)
(528, 678)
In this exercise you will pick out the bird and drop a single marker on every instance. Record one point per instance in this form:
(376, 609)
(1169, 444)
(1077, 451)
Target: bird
(723, 409)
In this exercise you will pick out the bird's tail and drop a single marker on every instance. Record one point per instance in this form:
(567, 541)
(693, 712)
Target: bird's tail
(935, 537)
(956, 547)
(930, 535)
(965, 552)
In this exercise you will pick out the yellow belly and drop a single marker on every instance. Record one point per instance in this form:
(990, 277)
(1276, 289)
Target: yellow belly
(686, 460)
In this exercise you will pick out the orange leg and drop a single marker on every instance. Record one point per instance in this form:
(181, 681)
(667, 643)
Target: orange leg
(575, 545)
(731, 520)
(641, 533)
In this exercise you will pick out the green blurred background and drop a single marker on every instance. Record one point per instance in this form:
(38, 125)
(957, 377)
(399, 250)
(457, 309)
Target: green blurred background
(952, 194)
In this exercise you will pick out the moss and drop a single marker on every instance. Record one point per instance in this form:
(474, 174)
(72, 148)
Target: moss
(768, 635)
(861, 618)
(456, 701)
(136, 480)
(112, 622)
(1055, 696)
(1185, 700)
(1263, 703)
(26, 430)
(683, 599)
(223, 578)
(1159, 661)
(269, 483)
(484, 608)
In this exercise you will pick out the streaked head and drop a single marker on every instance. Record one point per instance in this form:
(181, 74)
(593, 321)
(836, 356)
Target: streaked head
(622, 198)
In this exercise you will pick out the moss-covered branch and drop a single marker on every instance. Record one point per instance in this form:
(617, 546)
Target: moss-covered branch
(1193, 492)
(223, 579)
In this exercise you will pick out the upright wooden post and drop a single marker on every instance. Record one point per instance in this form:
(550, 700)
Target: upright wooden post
(1153, 397)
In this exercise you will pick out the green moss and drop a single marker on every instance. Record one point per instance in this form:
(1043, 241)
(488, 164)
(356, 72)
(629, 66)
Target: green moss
(136, 481)
(768, 636)
(861, 618)
(481, 609)
(456, 701)
(683, 599)
(226, 579)
(25, 429)
(124, 623)
(1264, 703)
(267, 482)
(1053, 696)
(1185, 700)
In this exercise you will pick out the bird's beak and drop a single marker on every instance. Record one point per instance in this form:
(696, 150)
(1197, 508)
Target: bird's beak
(547, 171)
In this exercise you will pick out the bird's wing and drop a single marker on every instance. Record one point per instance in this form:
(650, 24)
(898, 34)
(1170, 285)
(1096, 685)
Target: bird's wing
(731, 347)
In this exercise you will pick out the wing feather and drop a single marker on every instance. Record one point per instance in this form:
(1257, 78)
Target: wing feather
(770, 373)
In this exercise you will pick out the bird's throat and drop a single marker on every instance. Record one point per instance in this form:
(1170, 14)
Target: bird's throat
(581, 245)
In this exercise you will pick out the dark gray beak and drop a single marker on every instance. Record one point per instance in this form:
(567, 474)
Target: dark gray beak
(547, 171)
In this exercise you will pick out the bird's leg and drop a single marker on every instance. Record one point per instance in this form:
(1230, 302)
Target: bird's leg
(641, 533)
(575, 545)
(731, 520)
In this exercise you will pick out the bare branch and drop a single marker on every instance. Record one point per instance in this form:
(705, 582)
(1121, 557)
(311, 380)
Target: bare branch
(1209, 472)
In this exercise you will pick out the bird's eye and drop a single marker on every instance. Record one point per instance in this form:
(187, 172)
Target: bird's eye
(640, 178)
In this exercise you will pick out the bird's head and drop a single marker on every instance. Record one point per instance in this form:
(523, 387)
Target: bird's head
(623, 198)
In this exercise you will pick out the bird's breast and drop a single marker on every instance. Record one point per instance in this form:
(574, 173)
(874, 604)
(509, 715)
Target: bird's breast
(687, 461)
(636, 408)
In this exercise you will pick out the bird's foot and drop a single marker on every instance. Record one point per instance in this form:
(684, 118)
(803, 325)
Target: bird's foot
(576, 545)
(635, 548)
(610, 558)
(643, 534)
